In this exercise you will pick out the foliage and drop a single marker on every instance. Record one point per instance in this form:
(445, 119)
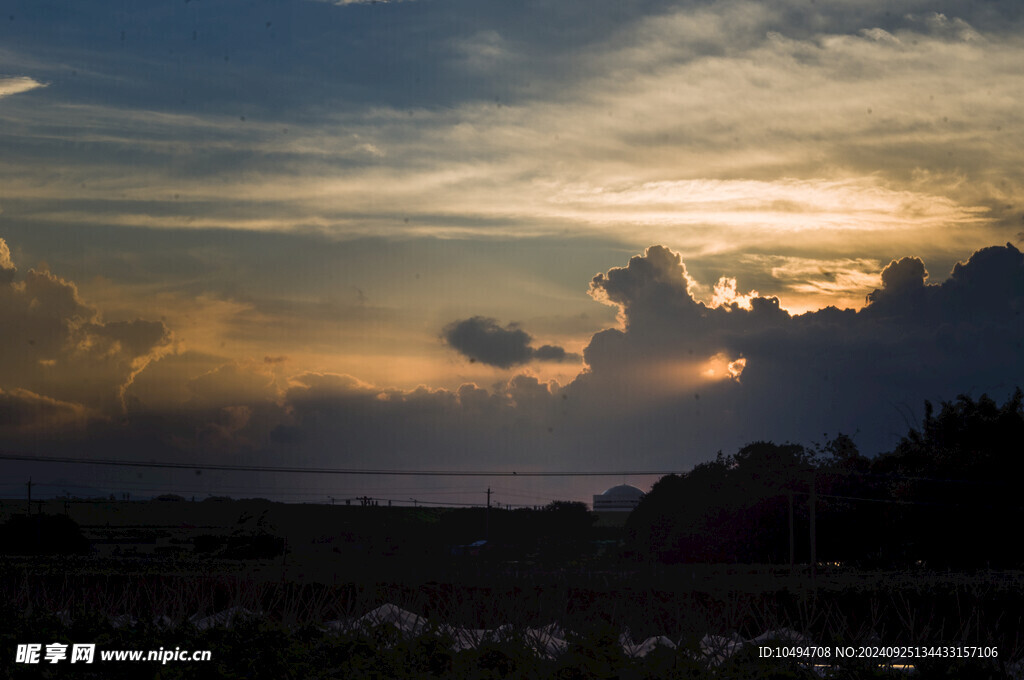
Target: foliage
(41, 535)
(289, 638)
(727, 510)
(943, 496)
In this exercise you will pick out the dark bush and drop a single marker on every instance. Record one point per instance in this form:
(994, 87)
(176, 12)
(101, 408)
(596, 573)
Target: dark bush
(42, 535)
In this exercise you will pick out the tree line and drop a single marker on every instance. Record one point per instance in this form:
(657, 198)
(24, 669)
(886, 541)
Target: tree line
(948, 495)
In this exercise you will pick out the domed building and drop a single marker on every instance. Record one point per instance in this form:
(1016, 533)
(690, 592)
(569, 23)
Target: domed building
(621, 498)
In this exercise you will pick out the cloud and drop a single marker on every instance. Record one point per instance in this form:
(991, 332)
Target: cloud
(7, 268)
(551, 353)
(795, 376)
(342, 3)
(804, 283)
(902, 280)
(825, 121)
(17, 85)
(485, 340)
(27, 412)
(653, 288)
(786, 151)
(231, 385)
(466, 427)
(677, 381)
(57, 346)
(482, 339)
(726, 294)
(485, 52)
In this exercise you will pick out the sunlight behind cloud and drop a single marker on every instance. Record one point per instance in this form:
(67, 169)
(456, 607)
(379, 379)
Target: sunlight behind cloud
(726, 294)
(721, 367)
(807, 283)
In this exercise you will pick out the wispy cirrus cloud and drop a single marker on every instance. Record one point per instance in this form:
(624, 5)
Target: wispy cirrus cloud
(17, 85)
(679, 125)
(792, 149)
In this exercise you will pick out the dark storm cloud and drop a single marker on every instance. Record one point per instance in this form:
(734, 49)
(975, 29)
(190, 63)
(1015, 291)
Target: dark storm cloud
(482, 339)
(485, 340)
(551, 353)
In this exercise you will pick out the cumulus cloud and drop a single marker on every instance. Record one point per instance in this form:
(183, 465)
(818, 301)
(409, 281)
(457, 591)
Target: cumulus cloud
(56, 345)
(794, 376)
(786, 149)
(652, 286)
(483, 339)
(902, 280)
(677, 381)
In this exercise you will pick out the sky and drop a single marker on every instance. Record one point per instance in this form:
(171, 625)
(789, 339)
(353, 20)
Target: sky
(454, 235)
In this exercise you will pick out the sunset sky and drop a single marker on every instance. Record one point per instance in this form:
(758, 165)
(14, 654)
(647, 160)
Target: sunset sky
(454, 234)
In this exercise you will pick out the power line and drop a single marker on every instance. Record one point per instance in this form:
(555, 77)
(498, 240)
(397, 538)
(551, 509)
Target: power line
(333, 471)
(441, 473)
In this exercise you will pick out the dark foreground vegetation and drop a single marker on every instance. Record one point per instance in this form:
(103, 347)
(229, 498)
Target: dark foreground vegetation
(287, 629)
(257, 649)
(946, 497)
(913, 547)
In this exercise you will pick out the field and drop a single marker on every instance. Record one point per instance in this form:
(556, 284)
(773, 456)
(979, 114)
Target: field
(297, 614)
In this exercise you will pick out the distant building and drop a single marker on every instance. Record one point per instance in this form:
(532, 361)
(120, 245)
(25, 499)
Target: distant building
(622, 498)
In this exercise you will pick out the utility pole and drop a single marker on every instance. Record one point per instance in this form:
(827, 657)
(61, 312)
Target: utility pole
(813, 501)
(487, 517)
(792, 553)
(29, 485)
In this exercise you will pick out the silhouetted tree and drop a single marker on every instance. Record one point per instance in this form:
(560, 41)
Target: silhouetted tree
(42, 535)
(733, 508)
(944, 496)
